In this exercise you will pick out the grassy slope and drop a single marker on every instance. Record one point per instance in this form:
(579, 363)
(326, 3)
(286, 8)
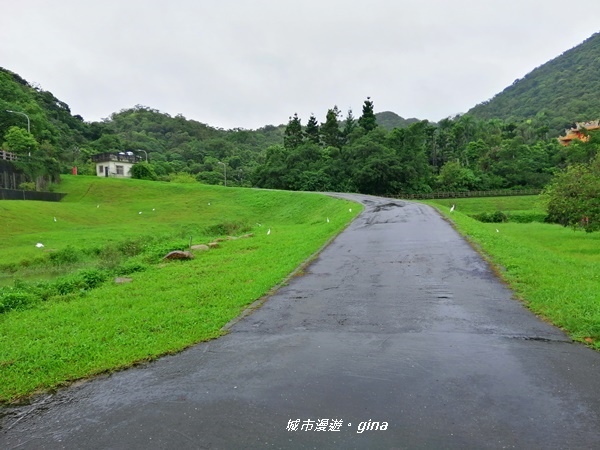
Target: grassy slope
(510, 204)
(554, 270)
(167, 307)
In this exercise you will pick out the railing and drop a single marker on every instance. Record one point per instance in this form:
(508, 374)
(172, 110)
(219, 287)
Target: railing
(496, 193)
(8, 156)
(18, 194)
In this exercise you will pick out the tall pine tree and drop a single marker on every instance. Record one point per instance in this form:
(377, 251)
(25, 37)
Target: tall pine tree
(330, 130)
(368, 120)
(293, 136)
(312, 130)
(349, 126)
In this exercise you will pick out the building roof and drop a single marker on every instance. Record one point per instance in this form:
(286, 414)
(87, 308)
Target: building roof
(579, 132)
(119, 157)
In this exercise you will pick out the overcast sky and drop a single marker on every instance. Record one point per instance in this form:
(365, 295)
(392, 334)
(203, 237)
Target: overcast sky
(237, 63)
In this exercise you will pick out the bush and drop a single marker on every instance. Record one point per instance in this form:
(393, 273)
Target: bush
(14, 298)
(227, 228)
(573, 197)
(495, 217)
(134, 246)
(143, 171)
(82, 280)
(131, 267)
(527, 217)
(182, 177)
(68, 255)
(27, 186)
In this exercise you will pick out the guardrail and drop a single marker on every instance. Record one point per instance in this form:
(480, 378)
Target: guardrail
(496, 193)
(8, 156)
(17, 194)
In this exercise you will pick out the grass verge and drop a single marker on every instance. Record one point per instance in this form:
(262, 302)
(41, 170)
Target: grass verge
(169, 305)
(555, 271)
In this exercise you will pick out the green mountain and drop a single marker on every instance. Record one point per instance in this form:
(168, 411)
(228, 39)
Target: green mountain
(49, 119)
(390, 120)
(39, 127)
(562, 91)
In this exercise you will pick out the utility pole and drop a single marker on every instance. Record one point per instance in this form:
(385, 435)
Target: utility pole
(224, 172)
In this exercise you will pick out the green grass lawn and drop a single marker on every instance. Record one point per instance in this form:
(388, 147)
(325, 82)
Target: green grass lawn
(554, 270)
(490, 204)
(169, 305)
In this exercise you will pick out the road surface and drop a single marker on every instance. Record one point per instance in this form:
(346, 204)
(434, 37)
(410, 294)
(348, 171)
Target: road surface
(397, 336)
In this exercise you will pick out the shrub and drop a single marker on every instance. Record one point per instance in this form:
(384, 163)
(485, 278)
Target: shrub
(81, 280)
(182, 177)
(130, 267)
(67, 255)
(134, 246)
(27, 186)
(495, 217)
(92, 277)
(573, 197)
(143, 171)
(526, 217)
(15, 298)
(227, 228)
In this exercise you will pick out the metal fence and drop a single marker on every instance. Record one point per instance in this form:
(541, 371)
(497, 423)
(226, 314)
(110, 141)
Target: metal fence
(17, 194)
(496, 193)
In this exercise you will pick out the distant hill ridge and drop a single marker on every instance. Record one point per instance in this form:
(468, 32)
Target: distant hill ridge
(390, 120)
(562, 91)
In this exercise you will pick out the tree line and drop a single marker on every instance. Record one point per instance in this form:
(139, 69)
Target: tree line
(457, 154)
(342, 153)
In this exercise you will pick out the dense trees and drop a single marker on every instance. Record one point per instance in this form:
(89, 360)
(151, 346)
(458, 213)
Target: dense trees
(341, 154)
(458, 154)
(574, 196)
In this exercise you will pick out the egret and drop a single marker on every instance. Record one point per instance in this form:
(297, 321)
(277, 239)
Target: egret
(140, 212)
(497, 230)
(452, 209)
(350, 210)
(153, 209)
(55, 219)
(328, 220)
(39, 245)
(208, 203)
(269, 232)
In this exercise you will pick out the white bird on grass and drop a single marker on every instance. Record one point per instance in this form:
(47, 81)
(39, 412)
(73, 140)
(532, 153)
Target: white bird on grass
(497, 230)
(328, 220)
(140, 212)
(269, 232)
(452, 209)
(55, 219)
(153, 209)
(97, 206)
(350, 210)
(39, 245)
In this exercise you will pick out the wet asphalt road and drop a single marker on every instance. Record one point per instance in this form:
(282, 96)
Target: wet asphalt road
(397, 321)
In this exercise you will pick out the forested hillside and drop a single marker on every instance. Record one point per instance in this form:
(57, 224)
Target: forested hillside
(457, 154)
(508, 142)
(562, 91)
(390, 120)
(35, 123)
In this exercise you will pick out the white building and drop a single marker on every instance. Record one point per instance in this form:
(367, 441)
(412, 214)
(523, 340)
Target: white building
(115, 164)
